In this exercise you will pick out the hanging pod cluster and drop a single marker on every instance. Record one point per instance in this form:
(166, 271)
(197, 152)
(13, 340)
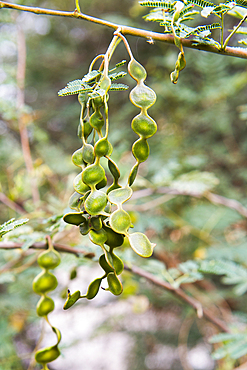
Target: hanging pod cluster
(44, 283)
(91, 203)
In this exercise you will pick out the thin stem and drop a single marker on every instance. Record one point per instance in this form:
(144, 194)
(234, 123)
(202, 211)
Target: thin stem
(222, 31)
(234, 31)
(125, 43)
(77, 6)
(95, 60)
(125, 30)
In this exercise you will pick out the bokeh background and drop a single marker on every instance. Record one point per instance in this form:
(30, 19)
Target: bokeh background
(201, 145)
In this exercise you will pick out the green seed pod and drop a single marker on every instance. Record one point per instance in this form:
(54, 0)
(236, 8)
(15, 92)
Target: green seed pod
(113, 239)
(105, 265)
(96, 203)
(120, 221)
(133, 173)
(96, 222)
(96, 120)
(74, 218)
(102, 147)
(114, 283)
(47, 355)
(87, 128)
(75, 201)
(105, 83)
(113, 169)
(140, 150)
(84, 228)
(93, 174)
(77, 158)
(98, 237)
(49, 259)
(45, 306)
(143, 125)
(142, 96)
(88, 153)
(98, 102)
(79, 185)
(44, 282)
(117, 263)
(119, 196)
(137, 71)
(93, 288)
(102, 183)
(72, 298)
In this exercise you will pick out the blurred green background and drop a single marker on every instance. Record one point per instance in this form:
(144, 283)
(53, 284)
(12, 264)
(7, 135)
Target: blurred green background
(201, 127)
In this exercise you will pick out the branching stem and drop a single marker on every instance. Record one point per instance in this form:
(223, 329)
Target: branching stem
(233, 32)
(125, 30)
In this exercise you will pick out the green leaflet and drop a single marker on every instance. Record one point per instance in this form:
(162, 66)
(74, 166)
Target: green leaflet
(11, 225)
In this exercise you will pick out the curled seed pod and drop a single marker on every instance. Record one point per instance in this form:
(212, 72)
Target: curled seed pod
(119, 196)
(105, 265)
(102, 147)
(79, 186)
(142, 96)
(74, 218)
(117, 263)
(140, 150)
(45, 306)
(133, 174)
(98, 102)
(75, 201)
(72, 298)
(44, 282)
(85, 129)
(143, 125)
(93, 174)
(88, 153)
(96, 222)
(120, 221)
(47, 355)
(93, 288)
(98, 237)
(114, 283)
(102, 183)
(96, 120)
(96, 203)
(136, 70)
(49, 259)
(113, 239)
(77, 158)
(141, 244)
(84, 228)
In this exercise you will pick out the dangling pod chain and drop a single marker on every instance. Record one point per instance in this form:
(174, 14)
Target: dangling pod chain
(91, 202)
(42, 284)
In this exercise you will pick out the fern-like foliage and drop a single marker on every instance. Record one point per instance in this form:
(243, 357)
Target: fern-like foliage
(11, 225)
(242, 3)
(201, 3)
(156, 4)
(89, 83)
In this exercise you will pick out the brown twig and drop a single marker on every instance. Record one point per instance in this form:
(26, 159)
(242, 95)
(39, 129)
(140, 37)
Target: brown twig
(9, 203)
(43, 245)
(125, 30)
(212, 197)
(137, 271)
(182, 295)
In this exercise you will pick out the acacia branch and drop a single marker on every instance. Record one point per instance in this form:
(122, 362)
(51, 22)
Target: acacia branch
(182, 295)
(126, 30)
(212, 197)
(137, 271)
(43, 245)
